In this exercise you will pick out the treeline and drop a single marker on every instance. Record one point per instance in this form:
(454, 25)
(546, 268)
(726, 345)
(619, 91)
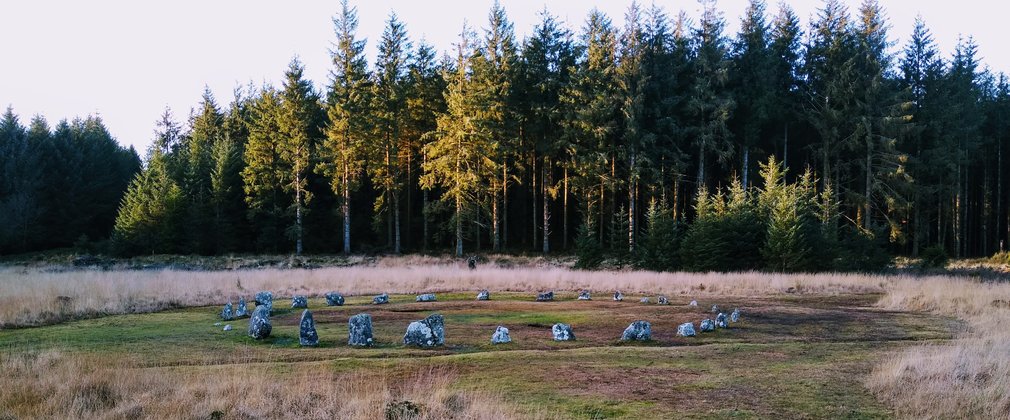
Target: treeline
(637, 142)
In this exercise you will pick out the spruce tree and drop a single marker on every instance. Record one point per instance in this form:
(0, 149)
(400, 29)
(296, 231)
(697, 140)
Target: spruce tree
(298, 123)
(263, 175)
(152, 212)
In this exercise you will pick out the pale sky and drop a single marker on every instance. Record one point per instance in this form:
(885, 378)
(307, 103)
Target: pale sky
(127, 60)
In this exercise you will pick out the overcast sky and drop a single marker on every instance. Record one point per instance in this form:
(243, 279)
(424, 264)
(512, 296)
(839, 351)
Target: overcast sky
(127, 60)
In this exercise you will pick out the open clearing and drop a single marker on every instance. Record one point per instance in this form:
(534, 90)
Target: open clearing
(791, 356)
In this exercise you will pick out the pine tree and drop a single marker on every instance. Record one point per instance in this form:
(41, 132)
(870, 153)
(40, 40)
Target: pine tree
(753, 83)
(425, 102)
(263, 175)
(633, 83)
(205, 131)
(710, 104)
(151, 215)
(298, 124)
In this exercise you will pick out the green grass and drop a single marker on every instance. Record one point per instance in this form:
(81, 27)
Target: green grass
(789, 358)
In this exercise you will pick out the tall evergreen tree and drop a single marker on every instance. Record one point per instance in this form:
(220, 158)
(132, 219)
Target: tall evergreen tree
(711, 103)
(298, 124)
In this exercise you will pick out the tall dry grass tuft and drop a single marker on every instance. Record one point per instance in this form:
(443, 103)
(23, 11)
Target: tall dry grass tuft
(52, 384)
(968, 377)
(31, 297)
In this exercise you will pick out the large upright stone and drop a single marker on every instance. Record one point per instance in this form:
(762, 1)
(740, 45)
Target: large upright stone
(585, 295)
(334, 299)
(427, 297)
(380, 299)
(226, 313)
(428, 332)
(686, 329)
(299, 302)
(735, 316)
(259, 324)
(562, 332)
(359, 330)
(501, 336)
(618, 296)
(637, 331)
(707, 325)
(484, 295)
(265, 299)
(307, 336)
(721, 321)
(241, 311)
(545, 297)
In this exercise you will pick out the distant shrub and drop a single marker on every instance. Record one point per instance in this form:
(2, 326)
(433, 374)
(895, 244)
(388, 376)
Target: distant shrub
(934, 257)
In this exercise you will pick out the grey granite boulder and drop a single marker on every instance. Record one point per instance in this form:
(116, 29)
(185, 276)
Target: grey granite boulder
(428, 332)
(501, 336)
(721, 321)
(265, 299)
(427, 297)
(585, 295)
(241, 311)
(644, 300)
(735, 316)
(380, 299)
(226, 313)
(707, 326)
(562, 332)
(663, 300)
(715, 308)
(545, 297)
(637, 331)
(686, 329)
(334, 299)
(227, 327)
(359, 329)
(259, 324)
(307, 336)
(299, 302)
(484, 295)
(618, 296)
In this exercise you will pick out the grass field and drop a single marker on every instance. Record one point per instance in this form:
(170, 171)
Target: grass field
(819, 346)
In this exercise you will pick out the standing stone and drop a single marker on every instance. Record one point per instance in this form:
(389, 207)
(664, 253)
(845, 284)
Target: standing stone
(584, 295)
(637, 331)
(686, 329)
(562, 332)
(693, 303)
(427, 297)
(720, 321)
(644, 300)
(299, 302)
(334, 299)
(715, 308)
(472, 262)
(618, 296)
(241, 311)
(735, 316)
(226, 313)
(707, 325)
(380, 299)
(307, 336)
(259, 324)
(428, 332)
(501, 336)
(663, 300)
(265, 299)
(484, 295)
(545, 297)
(359, 329)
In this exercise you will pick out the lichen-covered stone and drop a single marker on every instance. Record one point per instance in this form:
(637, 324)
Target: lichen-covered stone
(265, 299)
(735, 316)
(427, 297)
(721, 321)
(307, 336)
(663, 300)
(334, 299)
(299, 302)
(226, 313)
(637, 331)
(562, 332)
(545, 297)
(380, 299)
(259, 323)
(618, 296)
(715, 308)
(693, 303)
(241, 311)
(484, 295)
(644, 300)
(501, 336)
(585, 295)
(686, 329)
(707, 325)
(359, 329)
(428, 332)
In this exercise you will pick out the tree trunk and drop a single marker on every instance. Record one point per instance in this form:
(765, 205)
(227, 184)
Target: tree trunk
(459, 227)
(564, 238)
(746, 168)
(701, 167)
(298, 214)
(545, 179)
(346, 207)
(495, 239)
(632, 191)
(504, 205)
(868, 205)
(396, 224)
(533, 191)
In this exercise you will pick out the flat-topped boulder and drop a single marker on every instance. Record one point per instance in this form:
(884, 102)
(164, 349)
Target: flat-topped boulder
(637, 331)
(693, 303)
(307, 336)
(545, 297)
(428, 332)
(259, 323)
(501, 336)
(359, 330)
(299, 302)
(484, 295)
(427, 297)
(334, 299)
(562, 332)
(380, 299)
(265, 299)
(686, 329)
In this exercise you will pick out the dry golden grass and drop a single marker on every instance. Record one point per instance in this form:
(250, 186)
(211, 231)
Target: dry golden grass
(53, 384)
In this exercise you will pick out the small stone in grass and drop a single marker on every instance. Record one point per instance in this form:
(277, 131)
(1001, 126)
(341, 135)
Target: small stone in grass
(334, 299)
(637, 331)
(501, 336)
(663, 300)
(686, 329)
(545, 297)
(427, 297)
(693, 303)
(707, 325)
(735, 316)
(644, 300)
(484, 295)
(227, 327)
(380, 299)
(618, 296)
(299, 302)
(584, 295)
(562, 332)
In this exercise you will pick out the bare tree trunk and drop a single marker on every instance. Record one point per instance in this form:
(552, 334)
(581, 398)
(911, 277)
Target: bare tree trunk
(533, 191)
(746, 167)
(346, 207)
(545, 179)
(495, 239)
(868, 205)
(505, 205)
(459, 227)
(564, 239)
(701, 167)
(396, 224)
(632, 190)
(298, 214)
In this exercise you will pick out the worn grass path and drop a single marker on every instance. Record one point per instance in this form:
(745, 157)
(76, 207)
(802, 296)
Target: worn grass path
(789, 357)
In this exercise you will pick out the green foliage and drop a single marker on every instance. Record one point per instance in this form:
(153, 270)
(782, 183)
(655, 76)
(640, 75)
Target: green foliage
(859, 251)
(659, 249)
(936, 257)
(151, 213)
(726, 234)
(794, 242)
(588, 251)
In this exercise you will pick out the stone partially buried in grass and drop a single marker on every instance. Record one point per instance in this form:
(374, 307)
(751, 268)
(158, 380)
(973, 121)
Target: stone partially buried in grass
(637, 331)
(359, 330)
(686, 329)
(618, 296)
(501, 336)
(334, 299)
(259, 324)
(663, 300)
(307, 336)
(428, 332)
(562, 332)
(427, 297)
(299, 302)
(585, 295)
(380, 299)
(484, 295)
(545, 297)
(735, 316)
